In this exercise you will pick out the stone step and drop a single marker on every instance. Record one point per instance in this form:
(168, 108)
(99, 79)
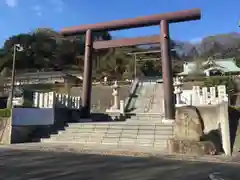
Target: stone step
(127, 145)
(145, 115)
(132, 120)
(110, 141)
(106, 147)
(156, 133)
(100, 124)
(150, 120)
(125, 126)
(136, 125)
(128, 133)
(112, 138)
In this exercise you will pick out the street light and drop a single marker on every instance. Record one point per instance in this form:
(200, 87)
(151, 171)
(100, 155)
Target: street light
(19, 48)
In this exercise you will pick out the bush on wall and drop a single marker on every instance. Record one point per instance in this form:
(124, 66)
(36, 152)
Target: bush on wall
(221, 80)
(214, 81)
(5, 112)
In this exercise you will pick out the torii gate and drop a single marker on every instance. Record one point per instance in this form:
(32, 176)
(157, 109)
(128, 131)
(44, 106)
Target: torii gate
(162, 20)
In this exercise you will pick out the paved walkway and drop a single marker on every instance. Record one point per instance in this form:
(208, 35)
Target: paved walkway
(23, 164)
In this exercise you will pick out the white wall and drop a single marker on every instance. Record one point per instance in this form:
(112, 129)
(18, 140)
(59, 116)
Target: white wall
(32, 116)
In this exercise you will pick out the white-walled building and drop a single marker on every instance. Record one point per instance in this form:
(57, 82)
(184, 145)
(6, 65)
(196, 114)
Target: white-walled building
(211, 67)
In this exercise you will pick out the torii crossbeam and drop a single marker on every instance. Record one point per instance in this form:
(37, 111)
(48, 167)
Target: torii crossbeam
(162, 20)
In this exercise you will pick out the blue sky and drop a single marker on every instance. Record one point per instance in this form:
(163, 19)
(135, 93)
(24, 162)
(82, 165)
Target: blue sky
(19, 16)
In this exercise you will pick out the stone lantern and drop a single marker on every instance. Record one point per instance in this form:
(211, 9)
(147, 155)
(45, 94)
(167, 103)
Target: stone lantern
(118, 105)
(116, 102)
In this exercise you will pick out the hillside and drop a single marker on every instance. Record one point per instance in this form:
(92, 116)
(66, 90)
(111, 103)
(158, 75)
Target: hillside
(46, 49)
(220, 41)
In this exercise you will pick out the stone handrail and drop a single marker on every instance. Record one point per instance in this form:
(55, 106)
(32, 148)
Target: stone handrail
(133, 90)
(150, 102)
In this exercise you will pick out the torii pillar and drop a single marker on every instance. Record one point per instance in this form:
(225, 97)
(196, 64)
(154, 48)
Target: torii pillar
(167, 75)
(162, 19)
(87, 76)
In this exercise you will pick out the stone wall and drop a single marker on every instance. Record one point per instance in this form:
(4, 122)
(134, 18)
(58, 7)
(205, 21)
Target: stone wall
(5, 130)
(210, 117)
(236, 147)
(101, 96)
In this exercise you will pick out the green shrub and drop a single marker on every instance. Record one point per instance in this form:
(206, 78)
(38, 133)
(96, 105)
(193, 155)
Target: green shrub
(221, 80)
(194, 78)
(5, 112)
(27, 103)
(214, 81)
(235, 107)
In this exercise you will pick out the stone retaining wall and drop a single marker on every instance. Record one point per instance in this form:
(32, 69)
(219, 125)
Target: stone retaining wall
(202, 123)
(5, 130)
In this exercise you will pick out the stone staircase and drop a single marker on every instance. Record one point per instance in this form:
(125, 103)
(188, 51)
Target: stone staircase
(135, 134)
(149, 99)
(142, 131)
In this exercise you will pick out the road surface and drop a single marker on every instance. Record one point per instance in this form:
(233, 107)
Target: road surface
(20, 164)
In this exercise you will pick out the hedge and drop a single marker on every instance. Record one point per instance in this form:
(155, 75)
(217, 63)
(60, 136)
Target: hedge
(204, 78)
(235, 107)
(222, 80)
(214, 81)
(5, 112)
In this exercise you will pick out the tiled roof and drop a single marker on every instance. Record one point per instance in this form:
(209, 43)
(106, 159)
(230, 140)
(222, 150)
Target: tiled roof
(225, 65)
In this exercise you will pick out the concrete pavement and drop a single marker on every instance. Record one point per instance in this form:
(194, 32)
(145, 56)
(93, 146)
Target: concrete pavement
(23, 164)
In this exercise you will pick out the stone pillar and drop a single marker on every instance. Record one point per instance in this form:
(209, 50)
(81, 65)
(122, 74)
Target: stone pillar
(178, 89)
(213, 95)
(195, 95)
(122, 106)
(204, 95)
(207, 73)
(167, 75)
(87, 77)
(225, 128)
(36, 99)
(105, 80)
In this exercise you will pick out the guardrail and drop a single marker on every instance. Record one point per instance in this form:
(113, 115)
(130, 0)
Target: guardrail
(133, 90)
(151, 98)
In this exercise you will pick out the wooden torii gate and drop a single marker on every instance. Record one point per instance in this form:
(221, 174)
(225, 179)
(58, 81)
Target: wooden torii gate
(162, 20)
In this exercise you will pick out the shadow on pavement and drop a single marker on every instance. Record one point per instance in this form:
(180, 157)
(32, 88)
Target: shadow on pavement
(27, 165)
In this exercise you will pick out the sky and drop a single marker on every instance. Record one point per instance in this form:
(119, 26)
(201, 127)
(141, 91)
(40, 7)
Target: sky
(22, 16)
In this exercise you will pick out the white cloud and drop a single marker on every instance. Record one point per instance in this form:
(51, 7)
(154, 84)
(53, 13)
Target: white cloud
(51, 6)
(11, 3)
(58, 5)
(37, 9)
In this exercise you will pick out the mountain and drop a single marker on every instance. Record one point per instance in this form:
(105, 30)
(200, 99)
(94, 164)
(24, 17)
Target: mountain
(220, 42)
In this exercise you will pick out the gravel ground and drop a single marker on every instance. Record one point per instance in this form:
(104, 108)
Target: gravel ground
(23, 164)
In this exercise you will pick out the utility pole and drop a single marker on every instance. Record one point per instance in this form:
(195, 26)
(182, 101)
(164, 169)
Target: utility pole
(16, 47)
(135, 66)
